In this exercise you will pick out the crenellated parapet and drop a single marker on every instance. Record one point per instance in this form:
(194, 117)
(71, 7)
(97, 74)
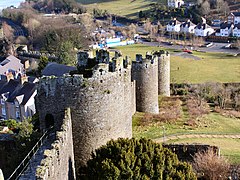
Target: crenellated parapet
(101, 106)
(145, 73)
(103, 95)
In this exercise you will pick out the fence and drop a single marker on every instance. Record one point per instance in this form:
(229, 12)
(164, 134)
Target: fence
(25, 162)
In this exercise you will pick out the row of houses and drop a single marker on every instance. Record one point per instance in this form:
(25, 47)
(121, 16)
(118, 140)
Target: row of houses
(17, 91)
(201, 29)
(228, 28)
(231, 27)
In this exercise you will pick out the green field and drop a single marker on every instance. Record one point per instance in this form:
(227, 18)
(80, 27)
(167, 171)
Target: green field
(128, 8)
(212, 123)
(230, 148)
(213, 67)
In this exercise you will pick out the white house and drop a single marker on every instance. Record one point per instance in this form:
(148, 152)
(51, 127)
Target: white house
(11, 65)
(175, 3)
(202, 29)
(17, 100)
(234, 18)
(173, 26)
(187, 27)
(225, 29)
(236, 30)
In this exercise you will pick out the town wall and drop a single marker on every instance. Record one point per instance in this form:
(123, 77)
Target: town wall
(58, 162)
(164, 74)
(101, 107)
(145, 73)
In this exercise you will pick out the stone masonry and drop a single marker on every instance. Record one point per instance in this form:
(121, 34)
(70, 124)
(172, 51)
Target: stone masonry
(102, 101)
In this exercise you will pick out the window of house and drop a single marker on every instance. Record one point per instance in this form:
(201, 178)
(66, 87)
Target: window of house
(17, 114)
(3, 111)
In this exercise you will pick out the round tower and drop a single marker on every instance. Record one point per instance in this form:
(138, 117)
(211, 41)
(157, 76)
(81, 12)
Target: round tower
(145, 73)
(101, 107)
(164, 74)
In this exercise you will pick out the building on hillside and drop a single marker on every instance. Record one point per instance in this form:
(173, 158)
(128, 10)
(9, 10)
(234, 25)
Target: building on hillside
(225, 29)
(203, 30)
(11, 65)
(175, 3)
(236, 30)
(187, 27)
(234, 18)
(173, 26)
(17, 99)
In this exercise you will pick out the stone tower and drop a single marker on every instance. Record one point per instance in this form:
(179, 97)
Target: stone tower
(163, 73)
(145, 73)
(101, 105)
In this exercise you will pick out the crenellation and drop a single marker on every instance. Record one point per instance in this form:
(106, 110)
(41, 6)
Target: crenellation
(102, 103)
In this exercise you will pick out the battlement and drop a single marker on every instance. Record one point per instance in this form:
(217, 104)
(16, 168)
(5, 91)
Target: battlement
(103, 95)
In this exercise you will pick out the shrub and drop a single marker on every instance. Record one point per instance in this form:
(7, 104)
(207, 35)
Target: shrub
(211, 166)
(135, 159)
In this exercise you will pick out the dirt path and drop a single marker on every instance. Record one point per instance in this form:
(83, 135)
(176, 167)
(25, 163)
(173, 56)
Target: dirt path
(188, 136)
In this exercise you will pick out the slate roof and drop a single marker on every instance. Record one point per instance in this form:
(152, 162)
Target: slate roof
(225, 25)
(57, 69)
(25, 91)
(16, 89)
(173, 22)
(237, 26)
(10, 63)
(237, 14)
(9, 87)
(202, 26)
(187, 24)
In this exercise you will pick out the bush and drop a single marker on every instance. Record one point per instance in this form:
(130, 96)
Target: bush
(211, 166)
(135, 159)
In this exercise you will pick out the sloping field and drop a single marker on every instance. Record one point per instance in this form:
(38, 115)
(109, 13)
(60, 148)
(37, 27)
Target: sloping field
(128, 8)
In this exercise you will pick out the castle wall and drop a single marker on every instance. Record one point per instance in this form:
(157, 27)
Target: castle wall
(59, 161)
(145, 73)
(164, 74)
(101, 107)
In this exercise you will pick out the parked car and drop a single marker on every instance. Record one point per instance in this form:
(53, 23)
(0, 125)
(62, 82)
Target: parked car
(187, 50)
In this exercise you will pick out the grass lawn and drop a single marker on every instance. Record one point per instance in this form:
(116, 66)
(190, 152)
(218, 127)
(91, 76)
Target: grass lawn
(128, 8)
(213, 67)
(212, 123)
(230, 148)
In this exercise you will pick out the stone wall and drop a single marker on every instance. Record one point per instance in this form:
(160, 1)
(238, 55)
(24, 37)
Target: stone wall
(164, 74)
(145, 73)
(59, 161)
(101, 107)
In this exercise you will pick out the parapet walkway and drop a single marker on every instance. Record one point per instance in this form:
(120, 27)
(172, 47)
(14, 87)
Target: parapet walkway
(188, 136)
(36, 160)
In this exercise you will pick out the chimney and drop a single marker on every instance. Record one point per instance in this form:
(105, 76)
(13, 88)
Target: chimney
(9, 76)
(23, 79)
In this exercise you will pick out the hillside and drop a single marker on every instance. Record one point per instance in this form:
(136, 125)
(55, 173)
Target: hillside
(128, 8)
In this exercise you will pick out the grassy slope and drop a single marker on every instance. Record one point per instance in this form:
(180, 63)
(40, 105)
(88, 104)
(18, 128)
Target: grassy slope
(212, 123)
(230, 148)
(128, 8)
(218, 67)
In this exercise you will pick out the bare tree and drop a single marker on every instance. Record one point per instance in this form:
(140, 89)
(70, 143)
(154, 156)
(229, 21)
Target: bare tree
(8, 31)
(205, 8)
(211, 166)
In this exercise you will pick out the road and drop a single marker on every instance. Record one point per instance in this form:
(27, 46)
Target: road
(18, 30)
(216, 47)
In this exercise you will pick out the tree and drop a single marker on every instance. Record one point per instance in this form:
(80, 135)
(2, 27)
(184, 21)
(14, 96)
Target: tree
(135, 159)
(211, 166)
(205, 8)
(25, 129)
(42, 63)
